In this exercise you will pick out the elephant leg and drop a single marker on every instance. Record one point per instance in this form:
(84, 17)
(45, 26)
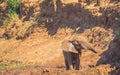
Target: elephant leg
(73, 60)
(77, 61)
(66, 63)
(68, 60)
(73, 64)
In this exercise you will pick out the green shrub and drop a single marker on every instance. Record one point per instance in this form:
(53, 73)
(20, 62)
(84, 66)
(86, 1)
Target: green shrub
(13, 8)
(117, 33)
(51, 2)
(25, 30)
(11, 65)
(118, 19)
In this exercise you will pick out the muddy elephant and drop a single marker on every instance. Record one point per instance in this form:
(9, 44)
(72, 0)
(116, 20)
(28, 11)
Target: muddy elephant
(72, 52)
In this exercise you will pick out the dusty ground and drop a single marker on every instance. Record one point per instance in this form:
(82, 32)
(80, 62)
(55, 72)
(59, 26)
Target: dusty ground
(48, 56)
(41, 54)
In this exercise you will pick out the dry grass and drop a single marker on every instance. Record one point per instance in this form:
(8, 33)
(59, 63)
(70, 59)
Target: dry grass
(18, 29)
(104, 3)
(25, 30)
(10, 65)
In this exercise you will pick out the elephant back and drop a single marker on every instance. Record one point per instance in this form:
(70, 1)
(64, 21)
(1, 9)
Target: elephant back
(68, 46)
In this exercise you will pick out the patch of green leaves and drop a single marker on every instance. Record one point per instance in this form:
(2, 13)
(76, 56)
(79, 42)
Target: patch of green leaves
(51, 2)
(13, 8)
(11, 65)
(117, 35)
(118, 19)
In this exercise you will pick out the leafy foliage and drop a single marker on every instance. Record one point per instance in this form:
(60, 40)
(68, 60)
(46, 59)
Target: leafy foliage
(11, 65)
(26, 29)
(118, 19)
(117, 33)
(13, 7)
(16, 27)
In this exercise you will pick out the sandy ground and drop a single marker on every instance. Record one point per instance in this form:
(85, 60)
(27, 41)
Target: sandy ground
(42, 49)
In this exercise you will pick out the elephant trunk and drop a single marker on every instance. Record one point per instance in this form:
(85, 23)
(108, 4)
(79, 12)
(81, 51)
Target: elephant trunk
(84, 44)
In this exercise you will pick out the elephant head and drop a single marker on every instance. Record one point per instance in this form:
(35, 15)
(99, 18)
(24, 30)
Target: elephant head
(80, 42)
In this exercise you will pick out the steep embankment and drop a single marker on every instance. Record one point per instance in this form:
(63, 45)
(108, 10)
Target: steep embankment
(95, 22)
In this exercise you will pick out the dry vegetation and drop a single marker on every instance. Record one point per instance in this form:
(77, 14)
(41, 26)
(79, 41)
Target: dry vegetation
(30, 41)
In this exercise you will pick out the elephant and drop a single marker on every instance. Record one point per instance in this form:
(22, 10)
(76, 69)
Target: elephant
(72, 52)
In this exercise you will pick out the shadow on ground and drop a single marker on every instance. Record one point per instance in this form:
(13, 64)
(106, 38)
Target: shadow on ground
(75, 15)
(112, 56)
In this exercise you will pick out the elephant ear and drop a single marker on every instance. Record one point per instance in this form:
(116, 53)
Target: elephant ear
(84, 43)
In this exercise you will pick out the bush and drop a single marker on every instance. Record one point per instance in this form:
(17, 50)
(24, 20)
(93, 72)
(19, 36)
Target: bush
(117, 34)
(25, 30)
(13, 8)
(118, 19)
